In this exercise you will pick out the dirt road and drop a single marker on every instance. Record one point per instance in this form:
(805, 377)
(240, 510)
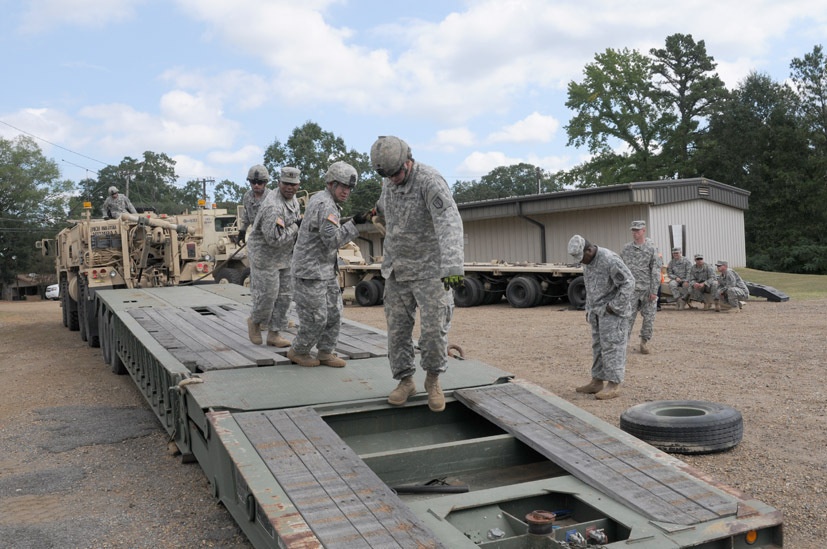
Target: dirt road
(84, 463)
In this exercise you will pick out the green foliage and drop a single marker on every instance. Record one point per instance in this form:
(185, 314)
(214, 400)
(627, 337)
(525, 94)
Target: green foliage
(505, 181)
(32, 205)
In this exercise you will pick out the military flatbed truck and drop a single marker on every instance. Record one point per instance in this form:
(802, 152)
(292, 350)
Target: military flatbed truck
(315, 457)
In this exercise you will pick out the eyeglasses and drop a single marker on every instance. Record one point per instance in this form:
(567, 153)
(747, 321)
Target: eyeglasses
(257, 182)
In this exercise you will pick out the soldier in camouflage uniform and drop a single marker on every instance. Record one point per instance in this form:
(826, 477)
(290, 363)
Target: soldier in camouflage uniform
(610, 288)
(270, 240)
(703, 283)
(116, 204)
(731, 288)
(316, 286)
(258, 176)
(643, 259)
(679, 272)
(423, 261)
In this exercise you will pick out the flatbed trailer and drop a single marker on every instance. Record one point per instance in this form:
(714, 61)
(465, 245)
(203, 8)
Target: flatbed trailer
(315, 457)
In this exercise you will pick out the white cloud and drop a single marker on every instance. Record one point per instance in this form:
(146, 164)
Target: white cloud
(477, 164)
(42, 15)
(453, 138)
(535, 127)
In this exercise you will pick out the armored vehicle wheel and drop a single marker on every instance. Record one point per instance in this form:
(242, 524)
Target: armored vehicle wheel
(367, 293)
(523, 292)
(577, 292)
(684, 426)
(227, 276)
(64, 302)
(470, 294)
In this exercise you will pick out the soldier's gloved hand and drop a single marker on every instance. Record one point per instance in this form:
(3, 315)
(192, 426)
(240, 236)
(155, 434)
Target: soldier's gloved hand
(299, 221)
(453, 281)
(242, 236)
(361, 218)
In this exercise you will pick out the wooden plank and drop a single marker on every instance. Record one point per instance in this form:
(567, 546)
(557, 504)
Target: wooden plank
(342, 500)
(662, 493)
(217, 326)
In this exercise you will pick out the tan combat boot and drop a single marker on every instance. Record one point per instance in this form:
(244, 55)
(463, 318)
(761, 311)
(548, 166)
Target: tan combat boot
(436, 400)
(275, 340)
(406, 388)
(644, 350)
(254, 331)
(689, 303)
(717, 306)
(612, 390)
(302, 359)
(595, 386)
(331, 359)
(681, 304)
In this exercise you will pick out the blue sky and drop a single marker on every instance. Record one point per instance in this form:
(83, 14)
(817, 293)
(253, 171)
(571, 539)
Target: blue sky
(471, 85)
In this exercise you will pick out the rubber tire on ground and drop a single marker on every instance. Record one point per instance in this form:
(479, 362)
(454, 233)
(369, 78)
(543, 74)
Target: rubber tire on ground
(685, 426)
(367, 293)
(493, 296)
(523, 292)
(114, 360)
(470, 294)
(227, 276)
(245, 277)
(577, 293)
(64, 301)
(380, 287)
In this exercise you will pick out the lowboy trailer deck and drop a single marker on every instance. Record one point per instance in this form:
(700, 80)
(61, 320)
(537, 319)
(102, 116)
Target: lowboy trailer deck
(315, 457)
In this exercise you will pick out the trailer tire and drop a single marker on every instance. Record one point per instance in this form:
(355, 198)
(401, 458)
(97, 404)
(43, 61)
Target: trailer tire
(367, 293)
(523, 292)
(470, 294)
(685, 426)
(114, 360)
(577, 293)
(380, 287)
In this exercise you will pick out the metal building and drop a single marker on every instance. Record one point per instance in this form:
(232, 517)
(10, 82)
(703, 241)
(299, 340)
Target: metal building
(699, 215)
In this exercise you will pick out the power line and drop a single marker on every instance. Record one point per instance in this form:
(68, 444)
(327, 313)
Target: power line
(54, 144)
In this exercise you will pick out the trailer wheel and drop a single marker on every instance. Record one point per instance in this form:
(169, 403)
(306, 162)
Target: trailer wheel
(577, 292)
(114, 360)
(523, 292)
(367, 293)
(470, 294)
(493, 296)
(380, 287)
(685, 426)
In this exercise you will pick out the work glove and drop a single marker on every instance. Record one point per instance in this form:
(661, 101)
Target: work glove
(242, 236)
(453, 281)
(361, 218)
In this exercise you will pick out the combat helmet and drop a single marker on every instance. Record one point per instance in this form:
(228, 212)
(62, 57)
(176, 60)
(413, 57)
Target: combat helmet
(342, 172)
(388, 154)
(258, 173)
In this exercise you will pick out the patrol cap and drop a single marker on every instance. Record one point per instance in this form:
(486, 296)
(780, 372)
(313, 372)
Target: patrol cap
(113, 190)
(290, 174)
(719, 263)
(676, 250)
(699, 256)
(639, 224)
(576, 246)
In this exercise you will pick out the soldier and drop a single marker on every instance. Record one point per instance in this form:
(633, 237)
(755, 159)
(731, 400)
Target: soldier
(423, 261)
(679, 271)
(610, 289)
(731, 288)
(258, 176)
(116, 204)
(703, 283)
(642, 258)
(316, 287)
(270, 240)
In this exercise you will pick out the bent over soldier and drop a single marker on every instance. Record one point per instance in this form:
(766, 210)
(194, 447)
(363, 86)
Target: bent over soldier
(422, 263)
(270, 240)
(316, 286)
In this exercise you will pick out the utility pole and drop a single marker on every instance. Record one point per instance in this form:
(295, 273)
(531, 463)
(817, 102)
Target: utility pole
(538, 171)
(204, 182)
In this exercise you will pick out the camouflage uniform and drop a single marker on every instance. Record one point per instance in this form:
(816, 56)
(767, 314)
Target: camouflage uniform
(644, 263)
(704, 274)
(423, 244)
(114, 207)
(679, 269)
(248, 215)
(608, 282)
(316, 287)
(270, 241)
(731, 288)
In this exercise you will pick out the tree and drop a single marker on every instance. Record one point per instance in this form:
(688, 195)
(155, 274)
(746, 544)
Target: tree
(33, 202)
(809, 77)
(228, 194)
(149, 183)
(313, 150)
(505, 181)
(689, 85)
(617, 104)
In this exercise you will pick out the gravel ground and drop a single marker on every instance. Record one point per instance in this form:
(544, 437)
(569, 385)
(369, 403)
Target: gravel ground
(85, 464)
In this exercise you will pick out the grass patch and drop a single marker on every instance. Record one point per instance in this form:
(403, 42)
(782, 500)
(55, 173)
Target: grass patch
(797, 286)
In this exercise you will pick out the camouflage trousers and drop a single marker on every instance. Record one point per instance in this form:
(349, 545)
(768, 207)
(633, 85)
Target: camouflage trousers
(647, 308)
(679, 291)
(272, 292)
(609, 338)
(319, 308)
(436, 307)
(706, 294)
(732, 296)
